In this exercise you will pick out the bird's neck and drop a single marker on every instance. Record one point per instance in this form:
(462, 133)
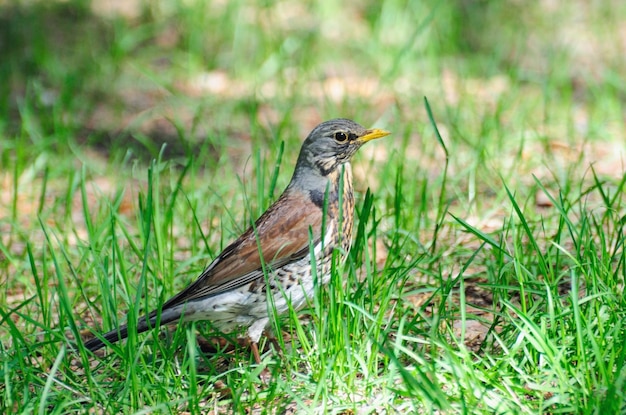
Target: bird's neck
(322, 185)
(333, 193)
(341, 204)
(347, 207)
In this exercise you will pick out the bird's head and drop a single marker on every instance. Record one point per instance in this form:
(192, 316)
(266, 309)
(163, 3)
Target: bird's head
(333, 143)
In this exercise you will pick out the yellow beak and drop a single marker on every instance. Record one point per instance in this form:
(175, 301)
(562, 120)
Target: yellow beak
(373, 134)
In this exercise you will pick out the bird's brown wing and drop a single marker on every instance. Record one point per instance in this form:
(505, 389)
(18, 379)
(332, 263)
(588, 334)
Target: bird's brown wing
(282, 233)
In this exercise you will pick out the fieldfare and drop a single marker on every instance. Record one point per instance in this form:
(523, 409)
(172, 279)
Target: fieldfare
(312, 217)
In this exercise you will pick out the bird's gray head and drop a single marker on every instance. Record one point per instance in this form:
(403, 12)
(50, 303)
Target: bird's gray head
(331, 144)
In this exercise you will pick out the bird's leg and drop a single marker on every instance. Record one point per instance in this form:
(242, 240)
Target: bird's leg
(274, 340)
(265, 374)
(254, 347)
(254, 334)
(276, 345)
(255, 352)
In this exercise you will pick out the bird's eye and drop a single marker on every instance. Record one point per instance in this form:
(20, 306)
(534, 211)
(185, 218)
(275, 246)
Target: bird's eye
(340, 137)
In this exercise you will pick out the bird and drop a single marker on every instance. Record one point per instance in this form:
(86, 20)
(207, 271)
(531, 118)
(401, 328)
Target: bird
(287, 250)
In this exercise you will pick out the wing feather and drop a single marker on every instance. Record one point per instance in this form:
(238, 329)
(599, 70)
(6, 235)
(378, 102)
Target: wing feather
(282, 233)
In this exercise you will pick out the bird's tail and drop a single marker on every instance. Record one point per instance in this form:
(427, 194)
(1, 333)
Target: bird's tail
(121, 332)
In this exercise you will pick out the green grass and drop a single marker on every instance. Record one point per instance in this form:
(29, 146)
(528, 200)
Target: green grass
(487, 269)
